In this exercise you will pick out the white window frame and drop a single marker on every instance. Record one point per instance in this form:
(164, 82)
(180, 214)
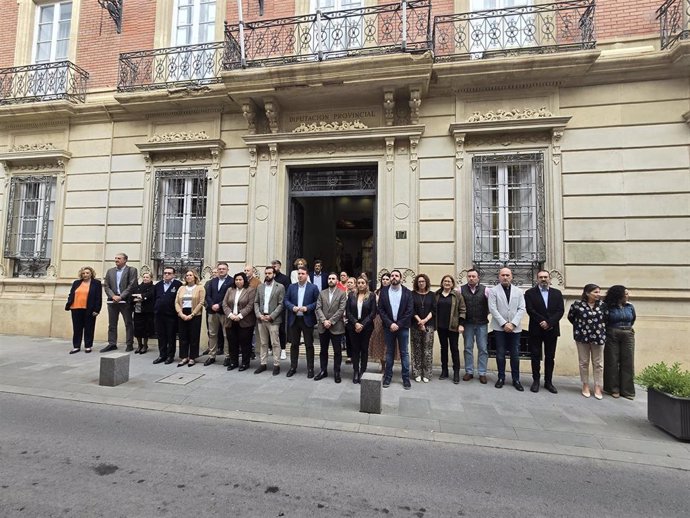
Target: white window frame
(55, 29)
(196, 24)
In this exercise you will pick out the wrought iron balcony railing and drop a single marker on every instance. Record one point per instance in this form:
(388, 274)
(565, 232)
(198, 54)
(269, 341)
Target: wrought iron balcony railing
(189, 65)
(397, 27)
(43, 82)
(674, 22)
(543, 28)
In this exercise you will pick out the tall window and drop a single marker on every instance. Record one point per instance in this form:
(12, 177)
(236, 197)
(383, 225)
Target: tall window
(29, 235)
(509, 211)
(194, 22)
(180, 218)
(52, 32)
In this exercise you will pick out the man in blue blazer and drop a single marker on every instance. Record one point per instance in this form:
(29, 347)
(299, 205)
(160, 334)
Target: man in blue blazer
(318, 277)
(214, 310)
(396, 308)
(300, 303)
(165, 316)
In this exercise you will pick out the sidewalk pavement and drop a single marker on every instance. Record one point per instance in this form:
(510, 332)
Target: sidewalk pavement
(468, 413)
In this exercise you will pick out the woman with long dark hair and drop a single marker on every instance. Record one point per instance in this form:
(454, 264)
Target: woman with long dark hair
(619, 353)
(240, 319)
(361, 311)
(451, 311)
(589, 331)
(422, 330)
(84, 301)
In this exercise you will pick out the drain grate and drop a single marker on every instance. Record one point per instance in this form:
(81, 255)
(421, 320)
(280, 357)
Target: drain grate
(180, 379)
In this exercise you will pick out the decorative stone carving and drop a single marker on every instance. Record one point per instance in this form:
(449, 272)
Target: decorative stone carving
(459, 151)
(514, 114)
(249, 113)
(319, 127)
(181, 136)
(145, 269)
(214, 171)
(32, 147)
(557, 278)
(51, 271)
(556, 137)
(408, 275)
(273, 163)
(253, 160)
(389, 106)
(507, 139)
(43, 166)
(183, 157)
(390, 150)
(414, 159)
(148, 165)
(271, 108)
(207, 272)
(415, 103)
(461, 277)
(2, 271)
(331, 148)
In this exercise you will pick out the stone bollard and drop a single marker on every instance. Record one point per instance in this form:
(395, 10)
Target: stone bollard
(114, 369)
(370, 393)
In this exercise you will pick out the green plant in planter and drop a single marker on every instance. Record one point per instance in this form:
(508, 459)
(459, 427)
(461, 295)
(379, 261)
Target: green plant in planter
(663, 378)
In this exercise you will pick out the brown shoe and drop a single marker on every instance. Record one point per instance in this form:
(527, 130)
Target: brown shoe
(482, 380)
(467, 377)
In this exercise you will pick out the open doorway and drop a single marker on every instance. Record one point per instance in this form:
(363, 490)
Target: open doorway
(333, 217)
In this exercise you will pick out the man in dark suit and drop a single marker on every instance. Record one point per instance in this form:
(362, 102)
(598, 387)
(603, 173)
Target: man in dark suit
(330, 311)
(396, 308)
(119, 283)
(545, 309)
(214, 301)
(165, 316)
(300, 302)
(283, 279)
(317, 277)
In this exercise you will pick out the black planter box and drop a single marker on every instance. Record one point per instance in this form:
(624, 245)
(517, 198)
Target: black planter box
(670, 413)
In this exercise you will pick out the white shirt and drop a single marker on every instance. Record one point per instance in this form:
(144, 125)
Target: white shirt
(267, 296)
(394, 296)
(238, 294)
(360, 302)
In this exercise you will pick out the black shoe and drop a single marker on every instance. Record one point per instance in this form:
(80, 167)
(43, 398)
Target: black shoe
(138, 350)
(169, 361)
(407, 385)
(276, 370)
(549, 386)
(310, 373)
(535, 386)
(499, 383)
(456, 378)
(444, 375)
(158, 360)
(144, 349)
(232, 366)
(243, 367)
(129, 349)
(75, 350)
(355, 376)
(336, 377)
(321, 375)
(209, 361)
(226, 362)
(291, 372)
(108, 348)
(518, 386)
(386, 383)
(261, 369)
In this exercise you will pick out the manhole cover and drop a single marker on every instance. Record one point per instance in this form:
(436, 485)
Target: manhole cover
(180, 379)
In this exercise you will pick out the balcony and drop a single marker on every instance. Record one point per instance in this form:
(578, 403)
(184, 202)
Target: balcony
(43, 82)
(398, 27)
(173, 67)
(674, 22)
(515, 31)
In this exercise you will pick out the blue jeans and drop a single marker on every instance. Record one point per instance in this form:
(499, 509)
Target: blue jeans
(402, 337)
(478, 332)
(511, 340)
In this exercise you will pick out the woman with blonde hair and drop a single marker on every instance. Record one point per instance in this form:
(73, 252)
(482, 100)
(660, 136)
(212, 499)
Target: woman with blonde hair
(300, 262)
(189, 305)
(361, 311)
(85, 300)
(142, 306)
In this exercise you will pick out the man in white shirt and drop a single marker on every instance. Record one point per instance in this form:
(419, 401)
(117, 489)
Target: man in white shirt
(330, 310)
(268, 307)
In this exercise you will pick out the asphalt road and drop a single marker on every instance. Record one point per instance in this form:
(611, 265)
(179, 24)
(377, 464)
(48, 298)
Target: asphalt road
(61, 458)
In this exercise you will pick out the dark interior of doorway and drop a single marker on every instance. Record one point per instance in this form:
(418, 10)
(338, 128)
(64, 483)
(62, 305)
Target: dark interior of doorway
(339, 230)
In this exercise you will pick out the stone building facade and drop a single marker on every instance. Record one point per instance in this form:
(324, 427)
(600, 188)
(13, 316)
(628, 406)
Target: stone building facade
(428, 136)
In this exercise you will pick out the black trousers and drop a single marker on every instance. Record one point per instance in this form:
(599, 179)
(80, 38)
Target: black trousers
(282, 331)
(446, 338)
(83, 324)
(326, 339)
(143, 325)
(239, 340)
(166, 331)
(359, 344)
(296, 329)
(548, 340)
(190, 332)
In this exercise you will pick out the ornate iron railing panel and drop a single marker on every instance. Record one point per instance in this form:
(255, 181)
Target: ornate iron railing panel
(543, 28)
(43, 82)
(362, 180)
(674, 22)
(397, 27)
(189, 65)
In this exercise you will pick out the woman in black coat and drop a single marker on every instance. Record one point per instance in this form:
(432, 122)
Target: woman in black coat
(84, 301)
(361, 310)
(142, 305)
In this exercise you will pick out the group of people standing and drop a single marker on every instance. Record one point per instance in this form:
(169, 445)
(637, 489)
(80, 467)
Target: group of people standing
(390, 323)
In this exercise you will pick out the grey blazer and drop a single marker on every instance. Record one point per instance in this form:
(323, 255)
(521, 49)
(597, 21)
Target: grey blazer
(504, 311)
(333, 311)
(128, 282)
(275, 303)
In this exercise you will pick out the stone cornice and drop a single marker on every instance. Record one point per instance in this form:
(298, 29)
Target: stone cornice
(381, 133)
(35, 155)
(166, 146)
(509, 125)
(37, 111)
